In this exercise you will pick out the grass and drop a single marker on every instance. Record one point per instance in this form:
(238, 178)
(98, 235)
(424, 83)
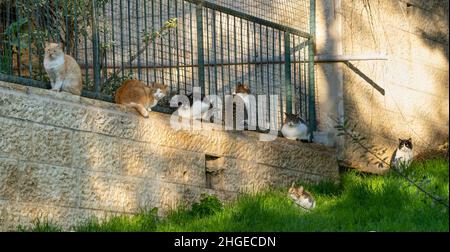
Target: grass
(361, 202)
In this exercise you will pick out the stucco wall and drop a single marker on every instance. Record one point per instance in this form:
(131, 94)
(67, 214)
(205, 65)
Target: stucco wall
(68, 158)
(414, 35)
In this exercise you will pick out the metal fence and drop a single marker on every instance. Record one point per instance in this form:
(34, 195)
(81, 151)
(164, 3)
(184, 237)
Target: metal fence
(182, 44)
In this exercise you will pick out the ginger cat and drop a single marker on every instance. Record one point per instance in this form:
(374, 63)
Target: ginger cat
(63, 71)
(135, 94)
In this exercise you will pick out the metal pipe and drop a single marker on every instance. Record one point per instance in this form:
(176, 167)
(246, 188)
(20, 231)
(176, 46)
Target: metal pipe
(342, 58)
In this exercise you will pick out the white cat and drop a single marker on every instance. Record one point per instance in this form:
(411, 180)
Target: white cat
(294, 128)
(197, 111)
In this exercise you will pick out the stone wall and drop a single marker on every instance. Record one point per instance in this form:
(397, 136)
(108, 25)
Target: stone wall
(67, 159)
(404, 96)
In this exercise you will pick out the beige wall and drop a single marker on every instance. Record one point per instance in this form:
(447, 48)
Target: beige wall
(68, 159)
(414, 35)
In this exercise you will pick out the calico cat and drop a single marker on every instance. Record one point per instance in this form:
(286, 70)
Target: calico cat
(63, 71)
(301, 197)
(294, 128)
(134, 93)
(403, 155)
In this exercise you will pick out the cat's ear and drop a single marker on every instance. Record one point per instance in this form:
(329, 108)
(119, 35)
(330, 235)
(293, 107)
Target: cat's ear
(409, 139)
(400, 140)
(300, 189)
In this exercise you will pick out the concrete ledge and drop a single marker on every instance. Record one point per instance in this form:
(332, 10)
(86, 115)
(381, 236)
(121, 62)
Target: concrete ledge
(72, 158)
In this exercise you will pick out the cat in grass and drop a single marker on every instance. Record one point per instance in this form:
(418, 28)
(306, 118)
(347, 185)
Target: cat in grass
(301, 197)
(142, 97)
(403, 155)
(63, 71)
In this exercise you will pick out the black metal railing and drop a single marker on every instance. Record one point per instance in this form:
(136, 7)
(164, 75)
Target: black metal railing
(183, 44)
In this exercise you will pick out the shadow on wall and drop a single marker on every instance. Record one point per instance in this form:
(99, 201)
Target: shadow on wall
(414, 79)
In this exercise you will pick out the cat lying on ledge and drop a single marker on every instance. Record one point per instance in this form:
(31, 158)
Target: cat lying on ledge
(142, 97)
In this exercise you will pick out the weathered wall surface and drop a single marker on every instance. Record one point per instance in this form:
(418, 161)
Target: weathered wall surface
(414, 35)
(67, 158)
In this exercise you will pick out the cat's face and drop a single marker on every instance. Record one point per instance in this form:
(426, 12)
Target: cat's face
(292, 119)
(53, 50)
(159, 91)
(242, 89)
(405, 144)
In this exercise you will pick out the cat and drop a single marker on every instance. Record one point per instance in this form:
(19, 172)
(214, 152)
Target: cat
(63, 71)
(195, 109)
(135, 94)
(294, 128)
(242, 91)
(403, 155)
(301, 197)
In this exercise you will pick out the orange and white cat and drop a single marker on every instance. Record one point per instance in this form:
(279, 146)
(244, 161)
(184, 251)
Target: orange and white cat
(63, 71)
(142, 97)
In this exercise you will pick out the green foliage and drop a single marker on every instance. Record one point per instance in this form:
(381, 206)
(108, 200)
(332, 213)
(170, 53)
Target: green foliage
(208, 205)
(361, 202)
(41, 225)
(143, 222)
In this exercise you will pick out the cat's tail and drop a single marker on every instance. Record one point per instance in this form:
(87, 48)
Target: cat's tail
(141, 109)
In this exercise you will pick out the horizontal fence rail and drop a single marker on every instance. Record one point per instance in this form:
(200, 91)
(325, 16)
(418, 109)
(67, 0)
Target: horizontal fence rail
(182, 44)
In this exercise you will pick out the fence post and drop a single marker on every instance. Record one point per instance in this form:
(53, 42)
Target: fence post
(96, 63)
(311, 86)
(201, 61)
(287, 71)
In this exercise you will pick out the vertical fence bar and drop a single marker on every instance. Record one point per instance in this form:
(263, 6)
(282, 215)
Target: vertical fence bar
(191, 30)
(184, 43)
(214, 39)
(66, 20)
(146, 43)
(207, 50)
(177, 48)
(153, 40)
(312, 30)
(138, 44)
(201, 63)
(281, 74)
(287, 71)
(121, 37)
(294, 66)
(104, 48)
(30, 52)
(161, 39)
(235, 47)
(170, 48)
(228, 53)
(18, 41)
(75, 18)
(95, 49)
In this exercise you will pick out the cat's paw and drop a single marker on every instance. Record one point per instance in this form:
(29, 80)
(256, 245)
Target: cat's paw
(56, 89)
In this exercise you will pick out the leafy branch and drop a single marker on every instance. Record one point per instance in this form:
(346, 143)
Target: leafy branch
(348, 130)
(147, 39)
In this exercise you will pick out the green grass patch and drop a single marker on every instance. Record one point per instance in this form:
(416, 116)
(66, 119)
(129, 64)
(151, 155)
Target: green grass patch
(361, 202)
